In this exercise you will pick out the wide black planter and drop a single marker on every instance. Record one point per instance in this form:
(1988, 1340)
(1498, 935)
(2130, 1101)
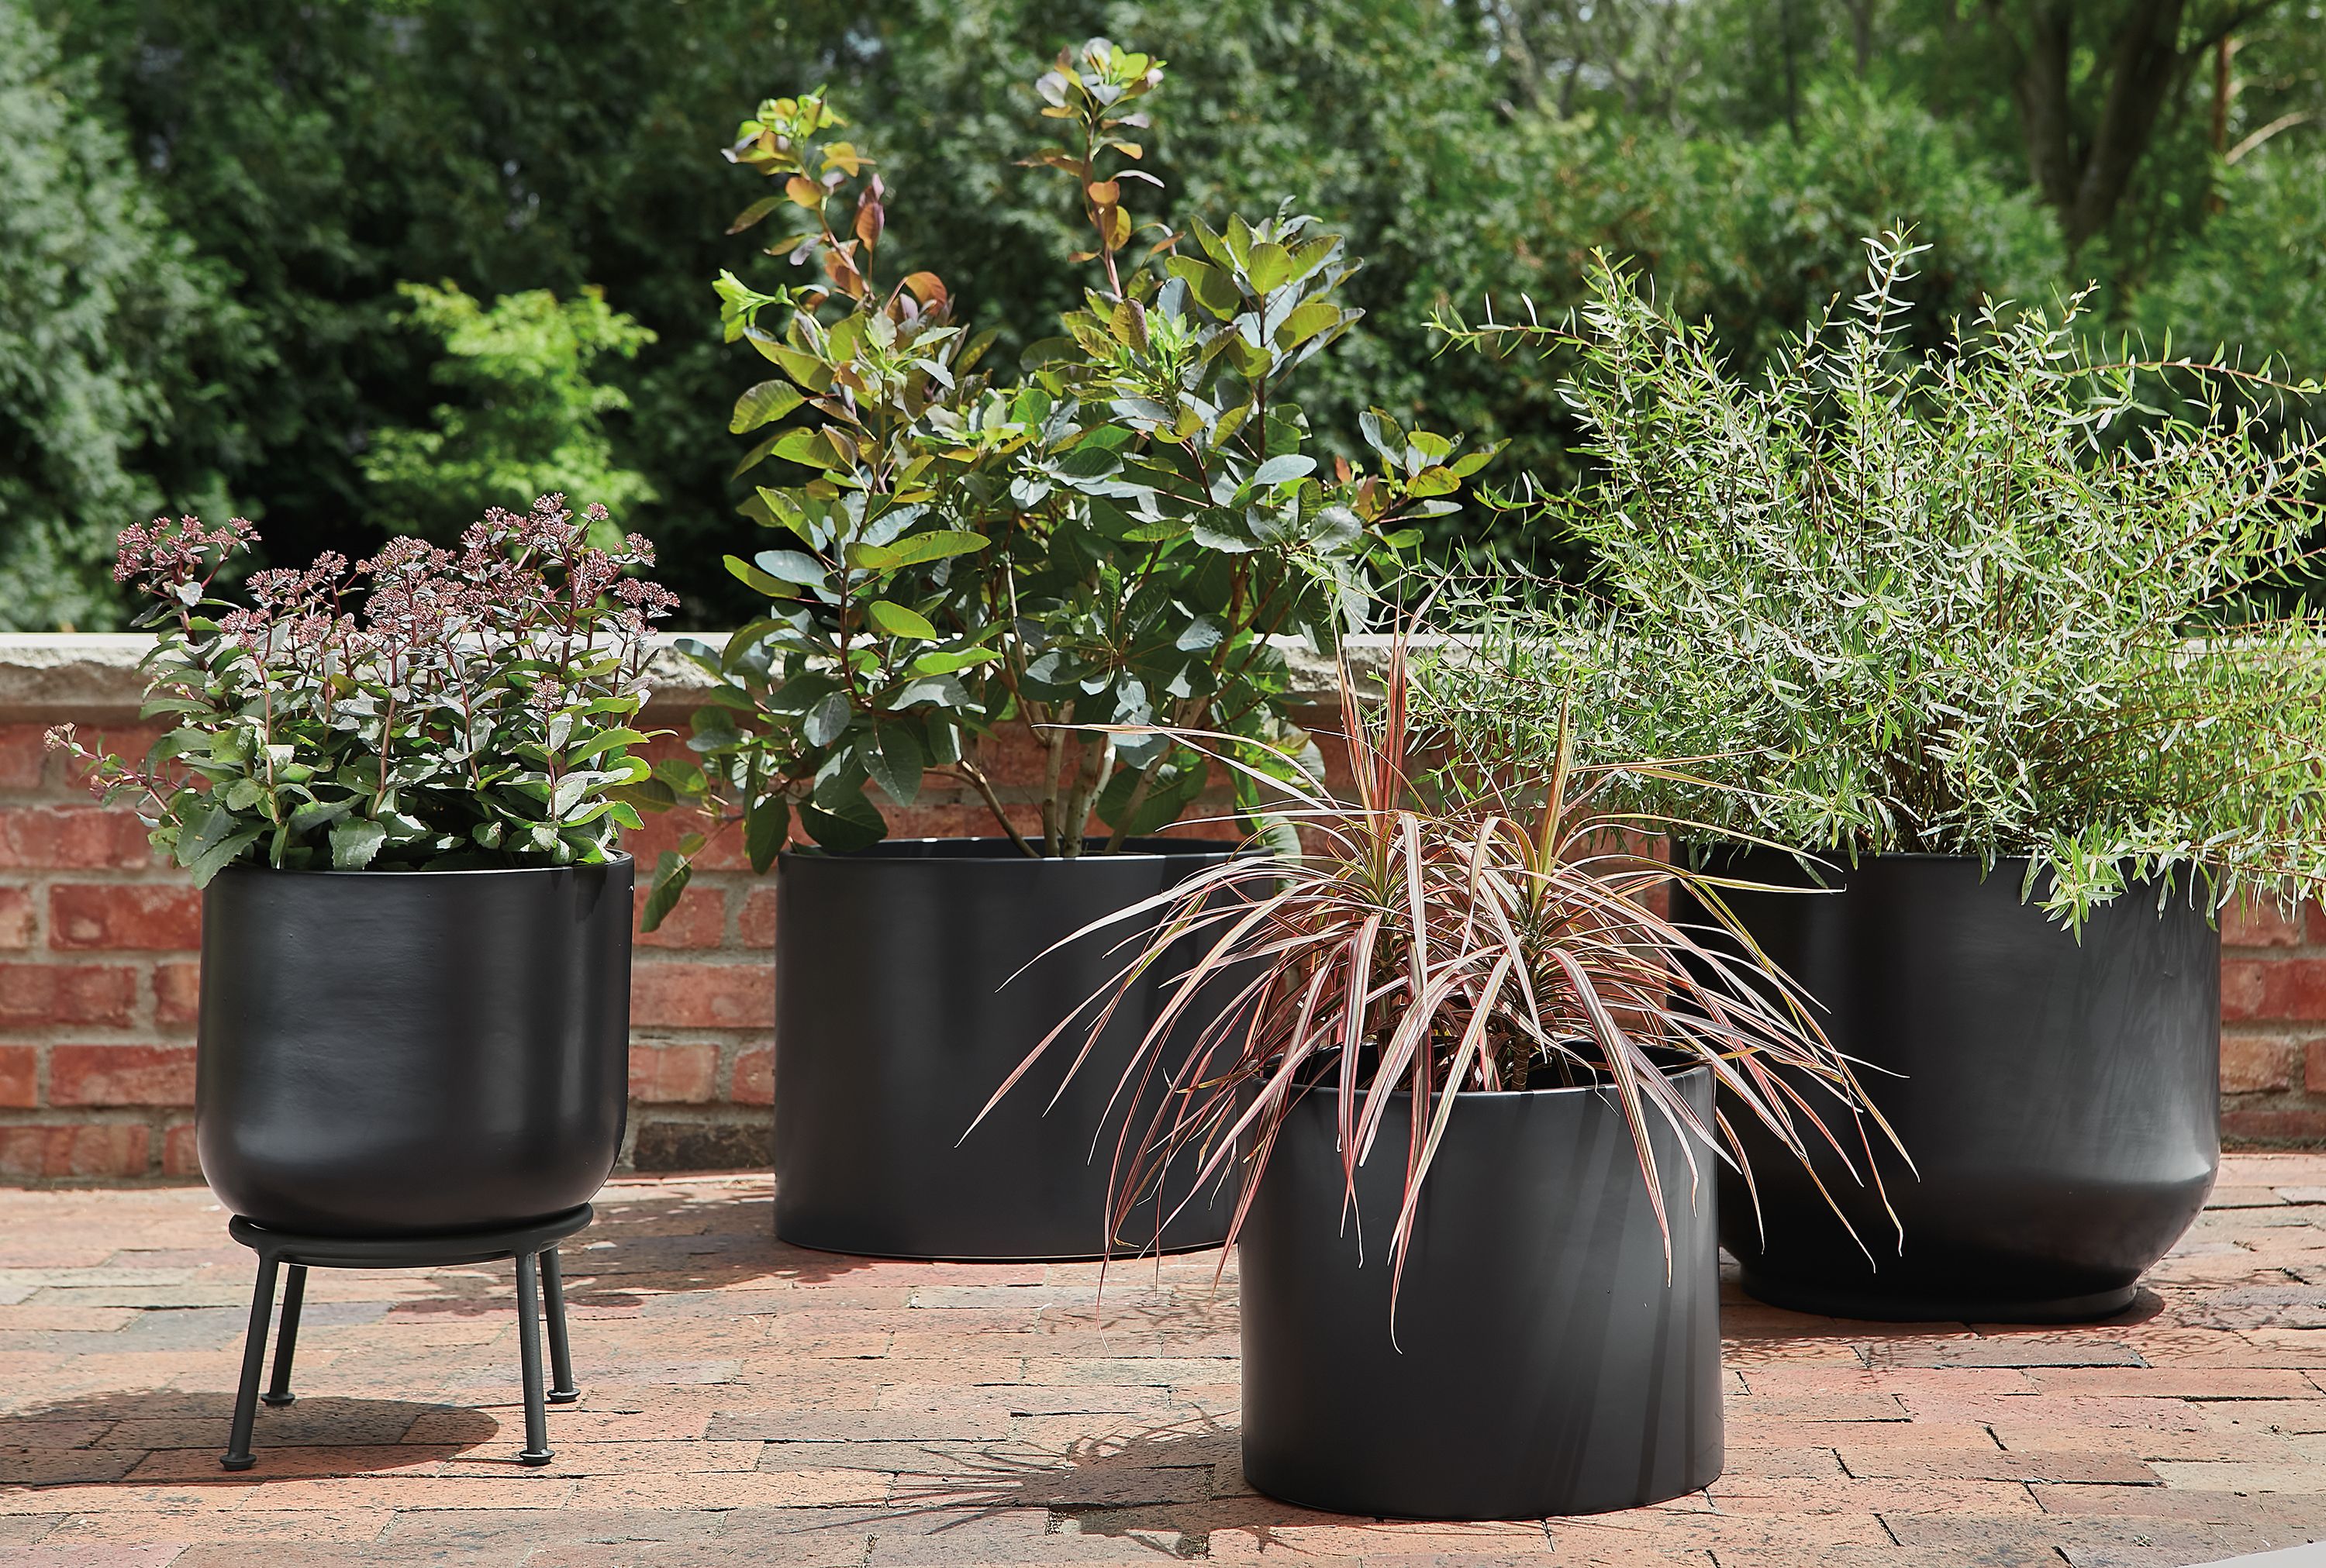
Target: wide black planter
(401, 1053)
(900, 1007)
(2058, 1097)
(1542, 1363)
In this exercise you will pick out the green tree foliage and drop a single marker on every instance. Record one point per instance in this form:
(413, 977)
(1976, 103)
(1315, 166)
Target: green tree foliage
(2253, 282)
(528, 419)
(107, 321)
(314, 155)
(323, 153)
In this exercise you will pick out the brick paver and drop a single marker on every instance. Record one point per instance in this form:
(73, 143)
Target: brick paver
(748, 1403)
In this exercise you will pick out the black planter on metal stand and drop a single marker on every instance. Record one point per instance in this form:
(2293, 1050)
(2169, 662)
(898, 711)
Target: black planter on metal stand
(411, 1068)
(900, 1007)
(2058, 1096)
(532, 1247)
(1543, 1362)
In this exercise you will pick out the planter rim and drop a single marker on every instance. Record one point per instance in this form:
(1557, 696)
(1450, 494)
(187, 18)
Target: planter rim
(620, 856)
(1182, 849)
(1841, 857)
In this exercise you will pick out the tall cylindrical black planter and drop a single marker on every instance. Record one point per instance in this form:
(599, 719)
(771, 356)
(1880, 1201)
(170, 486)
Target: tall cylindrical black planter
(1542, 1364)
(2058, 1094)
(901, 1007)
(401, 1053)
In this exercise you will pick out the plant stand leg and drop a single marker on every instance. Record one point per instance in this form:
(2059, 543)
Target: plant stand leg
(536, 1449)
(237, 1455)
(561, 1390)
(286, 1336)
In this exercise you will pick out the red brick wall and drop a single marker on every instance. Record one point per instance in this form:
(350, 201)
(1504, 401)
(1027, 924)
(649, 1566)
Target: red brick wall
(98, 949)
(2274, 1026)
(98, 977)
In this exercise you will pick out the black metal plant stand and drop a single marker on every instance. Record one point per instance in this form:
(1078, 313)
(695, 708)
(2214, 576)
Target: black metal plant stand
(527, 1244)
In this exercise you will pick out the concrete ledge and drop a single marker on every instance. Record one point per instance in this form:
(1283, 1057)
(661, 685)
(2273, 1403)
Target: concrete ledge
(94, 678)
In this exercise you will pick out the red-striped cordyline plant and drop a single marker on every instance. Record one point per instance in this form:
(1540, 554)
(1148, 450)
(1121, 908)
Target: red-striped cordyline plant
(1442, 950)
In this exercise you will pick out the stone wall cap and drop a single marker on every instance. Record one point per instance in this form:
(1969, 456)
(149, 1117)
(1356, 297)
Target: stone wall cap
(94, 678)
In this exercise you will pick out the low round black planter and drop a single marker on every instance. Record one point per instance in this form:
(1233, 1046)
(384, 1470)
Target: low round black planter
(408, 1052)
(1542, 1364)
(2059, 1098)
(898, 1016)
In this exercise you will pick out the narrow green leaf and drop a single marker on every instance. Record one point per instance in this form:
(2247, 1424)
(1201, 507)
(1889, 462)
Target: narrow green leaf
(754, 213)
(766, 825)
(751, 576)
(672, 874)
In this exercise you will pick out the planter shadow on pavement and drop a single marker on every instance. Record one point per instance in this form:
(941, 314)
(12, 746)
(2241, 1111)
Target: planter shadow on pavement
(171, 1436)
(645, 1246)
(1172, 1487)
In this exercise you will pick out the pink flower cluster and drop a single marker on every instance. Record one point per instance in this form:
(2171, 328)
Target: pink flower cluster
(512, 573)
(179, 552)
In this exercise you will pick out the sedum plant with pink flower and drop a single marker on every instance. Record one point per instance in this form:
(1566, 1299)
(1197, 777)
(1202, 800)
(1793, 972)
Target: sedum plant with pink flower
(428, 709)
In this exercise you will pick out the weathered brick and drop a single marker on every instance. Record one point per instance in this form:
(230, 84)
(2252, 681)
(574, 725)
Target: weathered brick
(2260, 923)
(81, 1149)
(699, 920)
(697, 1146)
(129, 917)
(16, 919)
(23, 755)
(755, 1077)
(179, 1155)
(20, 1076)
(951, 819)
(700, 995)
(1014, 756)
(71, 838)
(2250, 1063)
(2313, 1067)
(722, 848)
(177, 992)
(2273, 989)
(32, 994)
(2279, 1125)
(121, 1075)
(755, 925)
(674, 1074)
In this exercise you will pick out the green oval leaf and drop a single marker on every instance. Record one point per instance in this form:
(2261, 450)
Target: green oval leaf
(790, 566)
(769, 400)
(827, 720)
(1282, 467)
(805, 445)
(899, 622)
(936, 545)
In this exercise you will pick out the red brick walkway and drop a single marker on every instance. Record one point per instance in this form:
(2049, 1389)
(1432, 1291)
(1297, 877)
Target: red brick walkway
(747, 1403)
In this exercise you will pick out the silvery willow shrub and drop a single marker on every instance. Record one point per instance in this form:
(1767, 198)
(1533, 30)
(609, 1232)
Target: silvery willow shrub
(425, 709)
(1109, 537)
(2002, 599)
